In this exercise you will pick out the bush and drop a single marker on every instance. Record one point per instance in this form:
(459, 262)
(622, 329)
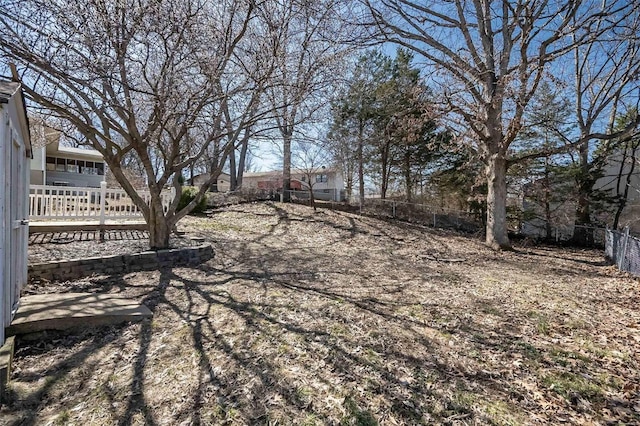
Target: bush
(188, 194)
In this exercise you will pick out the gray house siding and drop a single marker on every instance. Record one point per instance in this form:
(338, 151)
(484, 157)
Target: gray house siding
(73, 179)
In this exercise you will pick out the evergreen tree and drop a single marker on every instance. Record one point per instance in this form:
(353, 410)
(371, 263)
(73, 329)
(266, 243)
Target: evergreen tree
(387, 116)
(354, 112)
(546, 179)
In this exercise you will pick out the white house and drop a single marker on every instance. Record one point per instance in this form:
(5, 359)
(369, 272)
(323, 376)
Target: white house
(15, 151)
(57, 165)
(622, 173)
(327, 183)
(223, 181)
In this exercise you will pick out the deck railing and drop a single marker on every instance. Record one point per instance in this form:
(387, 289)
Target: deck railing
(63, 203)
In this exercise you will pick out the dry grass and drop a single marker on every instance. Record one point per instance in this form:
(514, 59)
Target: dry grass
(330, 318)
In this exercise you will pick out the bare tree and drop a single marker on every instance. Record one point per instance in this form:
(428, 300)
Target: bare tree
(605, 72)
(308, 55)
(310, 158)
(144, 78)
(489, 57)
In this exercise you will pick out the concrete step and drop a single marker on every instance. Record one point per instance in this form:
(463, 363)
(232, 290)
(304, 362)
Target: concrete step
(61, 311)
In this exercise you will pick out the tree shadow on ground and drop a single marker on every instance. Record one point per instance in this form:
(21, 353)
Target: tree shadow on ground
(266, 335)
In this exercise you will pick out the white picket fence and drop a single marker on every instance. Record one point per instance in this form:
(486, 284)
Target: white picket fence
(62, 203)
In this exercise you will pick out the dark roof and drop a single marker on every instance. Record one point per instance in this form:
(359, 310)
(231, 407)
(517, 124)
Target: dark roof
(8, 89)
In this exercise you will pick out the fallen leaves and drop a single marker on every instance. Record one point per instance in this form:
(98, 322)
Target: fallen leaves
(334, 318)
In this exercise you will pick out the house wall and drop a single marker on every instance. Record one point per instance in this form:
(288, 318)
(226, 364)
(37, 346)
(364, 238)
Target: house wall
(250, 180)
(5, 132)
(44, 173)
(14, 184)
(609, 181)
(70, 178)
(563, 212)
(223, 181)
(37, 167)
(37, 177)
(73, 179)
(330, 190)
(334, 184)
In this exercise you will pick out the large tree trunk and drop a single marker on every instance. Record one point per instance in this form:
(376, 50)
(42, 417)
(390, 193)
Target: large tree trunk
(496, 171)
(582, 232)
(286, 166)
(242, 160)
(159, 227)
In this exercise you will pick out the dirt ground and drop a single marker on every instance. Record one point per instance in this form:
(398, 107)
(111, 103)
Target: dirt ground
(326, 317)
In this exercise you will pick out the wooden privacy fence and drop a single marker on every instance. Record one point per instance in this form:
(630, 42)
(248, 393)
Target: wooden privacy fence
(62, 203)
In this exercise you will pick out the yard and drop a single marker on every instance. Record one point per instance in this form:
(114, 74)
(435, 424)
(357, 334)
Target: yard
(332, 318)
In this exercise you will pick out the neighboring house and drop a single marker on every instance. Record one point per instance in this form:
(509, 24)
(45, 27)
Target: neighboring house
(617, 174)
(621, 174)
(269, 181)
(223, 181)
(327, 184)
(15, 152)
(64, 166)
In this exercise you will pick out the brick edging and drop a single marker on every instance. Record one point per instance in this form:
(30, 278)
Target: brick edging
(77, 268)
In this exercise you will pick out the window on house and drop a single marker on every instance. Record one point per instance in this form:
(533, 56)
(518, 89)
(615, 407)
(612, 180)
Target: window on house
(72, 166)
(60, 165)
(51, 163)
(100, 168)
(89, 168)
(321, 178)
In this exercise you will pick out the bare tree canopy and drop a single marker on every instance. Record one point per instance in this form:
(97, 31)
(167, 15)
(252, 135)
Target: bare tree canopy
(158, 79)
(489, 58)
(309, 54)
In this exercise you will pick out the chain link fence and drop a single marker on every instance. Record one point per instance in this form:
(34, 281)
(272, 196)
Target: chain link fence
(564, 234)
(466, 221)
(424, 214)
(442, 217)
(624, 250)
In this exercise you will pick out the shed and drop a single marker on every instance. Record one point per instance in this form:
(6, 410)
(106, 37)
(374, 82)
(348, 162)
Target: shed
(15, 152)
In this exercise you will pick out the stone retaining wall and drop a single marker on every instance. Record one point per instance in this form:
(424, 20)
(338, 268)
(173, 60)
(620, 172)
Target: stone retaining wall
(77, 268)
